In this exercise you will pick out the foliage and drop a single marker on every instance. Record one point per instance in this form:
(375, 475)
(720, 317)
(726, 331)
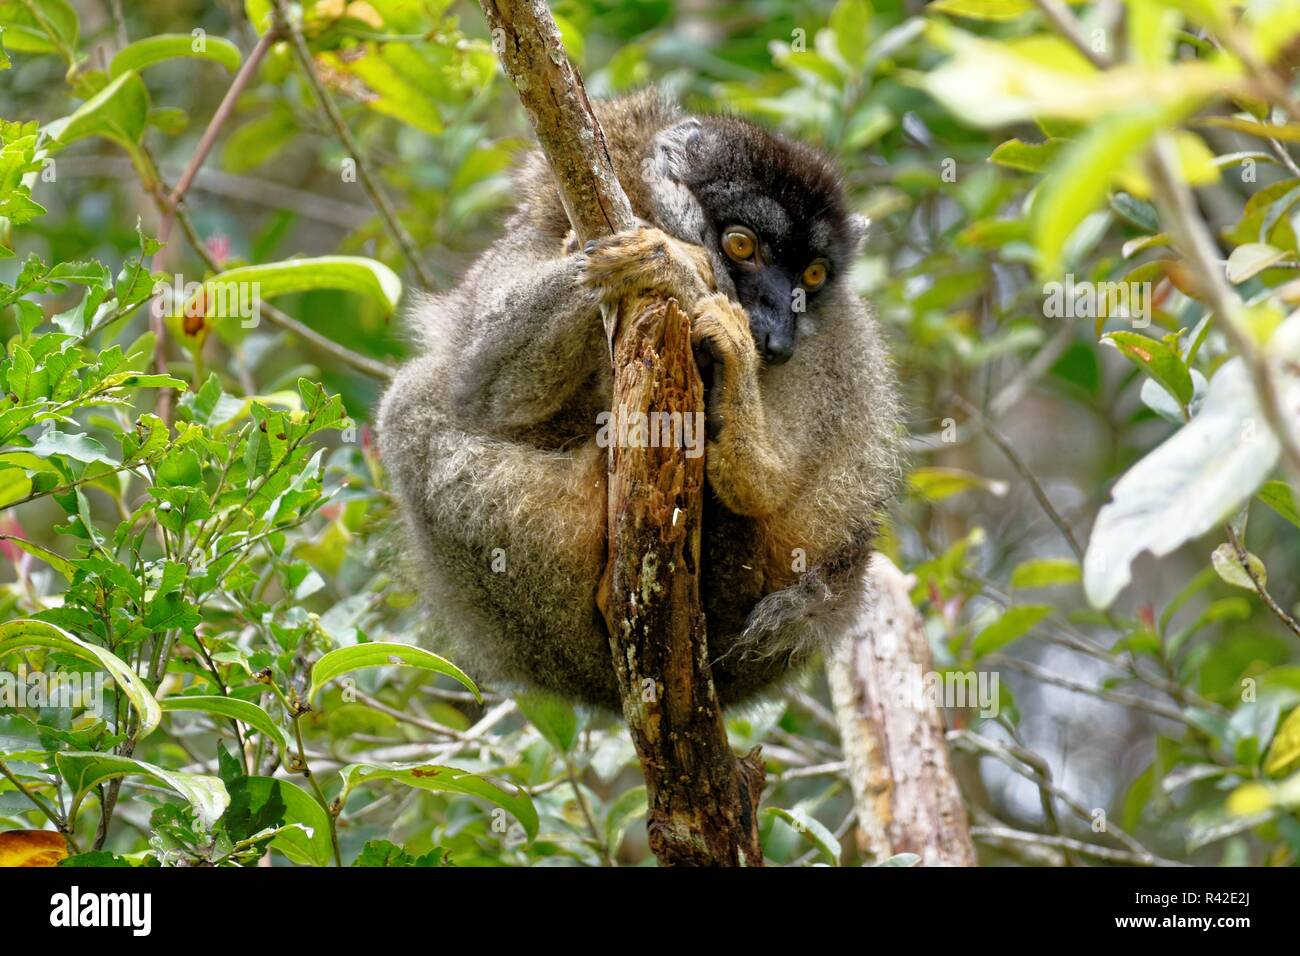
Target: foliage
(192, 505)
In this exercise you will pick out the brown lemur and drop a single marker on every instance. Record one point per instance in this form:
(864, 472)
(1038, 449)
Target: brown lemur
(490, 435)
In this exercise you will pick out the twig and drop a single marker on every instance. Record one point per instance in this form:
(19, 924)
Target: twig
(1174, 198)
(998, 835)
(980, 744)
(1114, 696)
(1244, 557)
(362, 363)
(433, 728)
(64, 826)
(1196, 243)
(597, 840)
(383, 205)
(1023, 471)
(169, 204)
(1068, 26)
(119, 22)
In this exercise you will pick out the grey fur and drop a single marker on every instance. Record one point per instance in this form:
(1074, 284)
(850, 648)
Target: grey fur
(489, 435)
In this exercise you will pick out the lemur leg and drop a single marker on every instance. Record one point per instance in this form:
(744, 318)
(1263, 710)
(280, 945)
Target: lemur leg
(810, 560)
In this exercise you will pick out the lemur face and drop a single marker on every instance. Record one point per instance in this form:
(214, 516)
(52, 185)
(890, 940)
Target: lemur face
(777, 211)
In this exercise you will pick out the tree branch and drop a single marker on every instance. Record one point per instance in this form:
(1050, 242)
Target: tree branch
(702, 800)
(906, 796)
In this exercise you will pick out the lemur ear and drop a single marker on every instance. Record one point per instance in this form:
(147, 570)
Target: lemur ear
(857, 231)
(674, 147)
(675, 206)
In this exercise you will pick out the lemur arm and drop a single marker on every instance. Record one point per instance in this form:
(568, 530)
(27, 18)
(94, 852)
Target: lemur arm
(529, 336)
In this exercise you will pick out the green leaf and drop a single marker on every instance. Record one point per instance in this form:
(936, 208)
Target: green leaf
(1285, 749)
(935, 484)
(26, 32)
(1249, 260)
(554, 717)
(813, 830)
(851, 23)
(991, 10)
(96, 858)
(1080, 180)
(167, 46)
(1186, 486)
(346, 273)
(401, 81)
(83, 771)
(344, 660)
(1160, 359)
(387, 854)
(630, 805)
(260, 14)
(120, 112)
(1045, 572)
(446, 780)
(1277, 495)
(17, 635)
(304, 837)
(1014, 623)
(57, 561)
(243, 711)
(81, 448)
(1030, 157)
(15, 485)
(1229, 567)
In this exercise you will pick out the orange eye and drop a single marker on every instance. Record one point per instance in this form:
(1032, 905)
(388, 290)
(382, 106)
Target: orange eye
(814, 275)
(739, 243)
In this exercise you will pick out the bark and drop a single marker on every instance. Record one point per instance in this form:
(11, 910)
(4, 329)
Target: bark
(702, 799)
(904, 789)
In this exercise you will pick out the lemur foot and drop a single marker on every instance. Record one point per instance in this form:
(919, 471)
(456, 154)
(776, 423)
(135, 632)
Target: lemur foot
(648, 260)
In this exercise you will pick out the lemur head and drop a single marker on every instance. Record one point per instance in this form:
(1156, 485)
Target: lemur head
(771, 212)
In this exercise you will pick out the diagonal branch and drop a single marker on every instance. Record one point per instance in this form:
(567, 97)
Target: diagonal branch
(703, 801)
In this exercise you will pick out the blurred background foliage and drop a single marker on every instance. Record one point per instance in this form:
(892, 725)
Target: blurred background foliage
(992, 157)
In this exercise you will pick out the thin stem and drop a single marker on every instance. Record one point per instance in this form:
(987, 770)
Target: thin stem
(597, 841)
(305, 769)
(1244, 557)
(383, 205)
(1003, 835)
(52, 814)
(1067, 683)
(1023, 471)
(1193, 237)
(362, 363)
(169, 204)
(979, 744)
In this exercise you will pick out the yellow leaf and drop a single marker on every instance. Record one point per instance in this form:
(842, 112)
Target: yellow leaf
(1249, 799)
(360, 10)
(32, 848)
(1285, 748)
